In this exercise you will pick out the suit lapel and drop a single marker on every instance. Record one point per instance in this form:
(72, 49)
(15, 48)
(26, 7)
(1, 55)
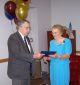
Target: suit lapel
(22, 42)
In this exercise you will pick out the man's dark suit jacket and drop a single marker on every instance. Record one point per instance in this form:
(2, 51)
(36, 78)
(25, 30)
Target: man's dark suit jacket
(19, 67)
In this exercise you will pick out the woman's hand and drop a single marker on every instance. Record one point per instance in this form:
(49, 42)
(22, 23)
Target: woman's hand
(54, 56)
(65, 56)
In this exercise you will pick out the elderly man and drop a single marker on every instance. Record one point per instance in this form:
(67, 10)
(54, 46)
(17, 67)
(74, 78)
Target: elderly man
(21, 52)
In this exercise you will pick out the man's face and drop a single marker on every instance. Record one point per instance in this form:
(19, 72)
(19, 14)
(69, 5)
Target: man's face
(25, 28)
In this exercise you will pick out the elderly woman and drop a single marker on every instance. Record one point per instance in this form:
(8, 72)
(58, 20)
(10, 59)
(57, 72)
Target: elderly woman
(59, 62)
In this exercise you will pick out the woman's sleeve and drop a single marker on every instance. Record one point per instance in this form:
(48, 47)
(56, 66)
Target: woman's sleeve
(68, 46)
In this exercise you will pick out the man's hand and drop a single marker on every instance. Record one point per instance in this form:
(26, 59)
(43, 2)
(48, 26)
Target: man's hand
(38, 56)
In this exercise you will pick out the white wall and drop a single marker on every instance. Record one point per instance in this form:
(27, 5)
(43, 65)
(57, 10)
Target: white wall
(44, 20)
(34, 37)
(64, 11)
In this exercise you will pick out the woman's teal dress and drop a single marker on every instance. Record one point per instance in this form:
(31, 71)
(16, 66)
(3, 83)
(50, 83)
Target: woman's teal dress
(59, 69)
